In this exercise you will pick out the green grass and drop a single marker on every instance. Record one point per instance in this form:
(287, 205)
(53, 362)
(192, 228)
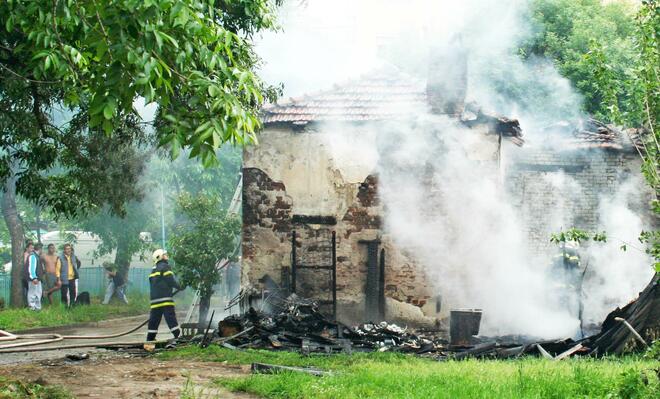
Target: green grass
(58, 315)
(389, 375)
(12, 389)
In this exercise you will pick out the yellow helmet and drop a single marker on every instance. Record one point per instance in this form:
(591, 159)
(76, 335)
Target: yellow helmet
(158, 255)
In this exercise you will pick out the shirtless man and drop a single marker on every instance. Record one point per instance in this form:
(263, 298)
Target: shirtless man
(49, 279)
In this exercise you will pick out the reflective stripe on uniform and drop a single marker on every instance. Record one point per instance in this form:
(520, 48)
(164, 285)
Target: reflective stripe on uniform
(152, 331)
(154, 274)
(167, 273)
(160, 305)
(174, 329)
(166, 298)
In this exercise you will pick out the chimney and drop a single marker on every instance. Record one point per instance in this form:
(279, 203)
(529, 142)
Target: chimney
(446, 83)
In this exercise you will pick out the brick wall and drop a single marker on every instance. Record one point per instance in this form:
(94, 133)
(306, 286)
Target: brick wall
(557, 189)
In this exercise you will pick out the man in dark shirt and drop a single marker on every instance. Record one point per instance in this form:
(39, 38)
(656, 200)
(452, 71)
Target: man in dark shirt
(116, 284)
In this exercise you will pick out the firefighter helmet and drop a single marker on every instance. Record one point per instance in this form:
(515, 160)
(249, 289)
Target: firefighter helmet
(158, 255)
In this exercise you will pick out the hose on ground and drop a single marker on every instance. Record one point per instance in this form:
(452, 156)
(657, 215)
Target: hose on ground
(50, 338)
(107, 336)
(53, 338)
(108, 344)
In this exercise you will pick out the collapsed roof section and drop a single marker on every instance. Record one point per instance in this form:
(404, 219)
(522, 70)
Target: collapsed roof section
(592, 133)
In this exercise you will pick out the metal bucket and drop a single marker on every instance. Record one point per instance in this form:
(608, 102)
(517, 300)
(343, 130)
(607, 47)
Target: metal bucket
(463, 324)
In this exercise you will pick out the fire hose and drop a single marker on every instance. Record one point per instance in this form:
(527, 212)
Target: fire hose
(51, 338)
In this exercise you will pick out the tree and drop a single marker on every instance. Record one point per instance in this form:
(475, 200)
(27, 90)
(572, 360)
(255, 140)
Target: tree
(184, 174)
(592, 43)
(93, 59)
(191, 57)
(646, 78)
(72, 170)
(206, 236)
(122, 233)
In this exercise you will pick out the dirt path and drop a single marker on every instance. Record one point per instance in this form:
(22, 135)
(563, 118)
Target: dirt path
(112, 376)
(106, 327)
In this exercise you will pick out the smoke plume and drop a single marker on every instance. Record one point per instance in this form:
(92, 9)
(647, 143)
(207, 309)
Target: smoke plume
(443, 201)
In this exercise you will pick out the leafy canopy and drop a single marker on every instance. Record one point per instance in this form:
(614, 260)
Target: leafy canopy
(593, 44)
(192, 57)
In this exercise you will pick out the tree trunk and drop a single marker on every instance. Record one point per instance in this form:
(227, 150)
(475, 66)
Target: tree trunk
(15, 227)
(204, 305)
(123, 258)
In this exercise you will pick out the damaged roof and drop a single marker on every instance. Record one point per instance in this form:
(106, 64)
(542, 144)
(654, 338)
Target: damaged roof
(385, 95)
(392, 95)
(592, 133)
(382, 96)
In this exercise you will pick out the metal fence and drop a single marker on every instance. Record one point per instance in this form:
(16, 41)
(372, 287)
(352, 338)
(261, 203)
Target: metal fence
(94, 280)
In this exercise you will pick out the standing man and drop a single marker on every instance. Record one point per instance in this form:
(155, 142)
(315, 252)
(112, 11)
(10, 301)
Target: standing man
(116, 284)
(161, 284)
(67, 273)
(29, 248)
(33, 266)
(50, 278)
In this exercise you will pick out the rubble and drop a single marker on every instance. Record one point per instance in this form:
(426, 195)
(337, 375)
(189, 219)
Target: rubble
(300, 326)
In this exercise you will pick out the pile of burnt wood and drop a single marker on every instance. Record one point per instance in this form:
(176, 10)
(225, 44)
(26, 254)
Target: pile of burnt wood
(300, 326)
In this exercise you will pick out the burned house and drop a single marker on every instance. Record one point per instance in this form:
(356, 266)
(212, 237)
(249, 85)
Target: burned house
(313, 218)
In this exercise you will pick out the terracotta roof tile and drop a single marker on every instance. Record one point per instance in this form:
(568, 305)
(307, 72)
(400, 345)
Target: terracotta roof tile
(382, 96)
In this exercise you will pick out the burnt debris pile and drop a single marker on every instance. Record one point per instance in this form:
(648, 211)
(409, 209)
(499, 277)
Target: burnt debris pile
(300, 326)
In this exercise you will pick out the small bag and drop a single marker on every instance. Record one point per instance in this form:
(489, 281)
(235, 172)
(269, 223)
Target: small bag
(83, 298)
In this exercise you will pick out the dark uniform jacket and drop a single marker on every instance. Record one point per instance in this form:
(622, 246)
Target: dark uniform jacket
(162, 283)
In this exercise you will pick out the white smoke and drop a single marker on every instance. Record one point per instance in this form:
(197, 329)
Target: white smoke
(614, 275)
(443, 203)
(461, 224)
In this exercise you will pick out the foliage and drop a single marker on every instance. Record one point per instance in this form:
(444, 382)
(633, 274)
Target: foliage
(577, 235)
(192, 57)
(613, 58)
(653, 352)
(205, 236)
(391, 375)
(648, 31)
(121, 233)
(56, 315)
(592, 43)
(14, 389)
(173, 176)
(72, 168)
(186, 175)
(71, 72)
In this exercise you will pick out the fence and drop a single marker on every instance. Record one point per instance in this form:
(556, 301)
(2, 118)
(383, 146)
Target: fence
(94, 281)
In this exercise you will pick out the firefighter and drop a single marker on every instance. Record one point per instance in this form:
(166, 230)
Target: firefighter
(161, 283)
(567, 271)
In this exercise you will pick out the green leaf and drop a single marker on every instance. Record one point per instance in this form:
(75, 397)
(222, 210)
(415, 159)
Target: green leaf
(107, 126)
(110, 108)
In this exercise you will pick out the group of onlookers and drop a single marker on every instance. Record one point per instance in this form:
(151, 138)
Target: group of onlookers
(46, 273)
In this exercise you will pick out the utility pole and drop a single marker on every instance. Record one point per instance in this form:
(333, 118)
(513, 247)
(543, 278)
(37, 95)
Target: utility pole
(162, 214)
